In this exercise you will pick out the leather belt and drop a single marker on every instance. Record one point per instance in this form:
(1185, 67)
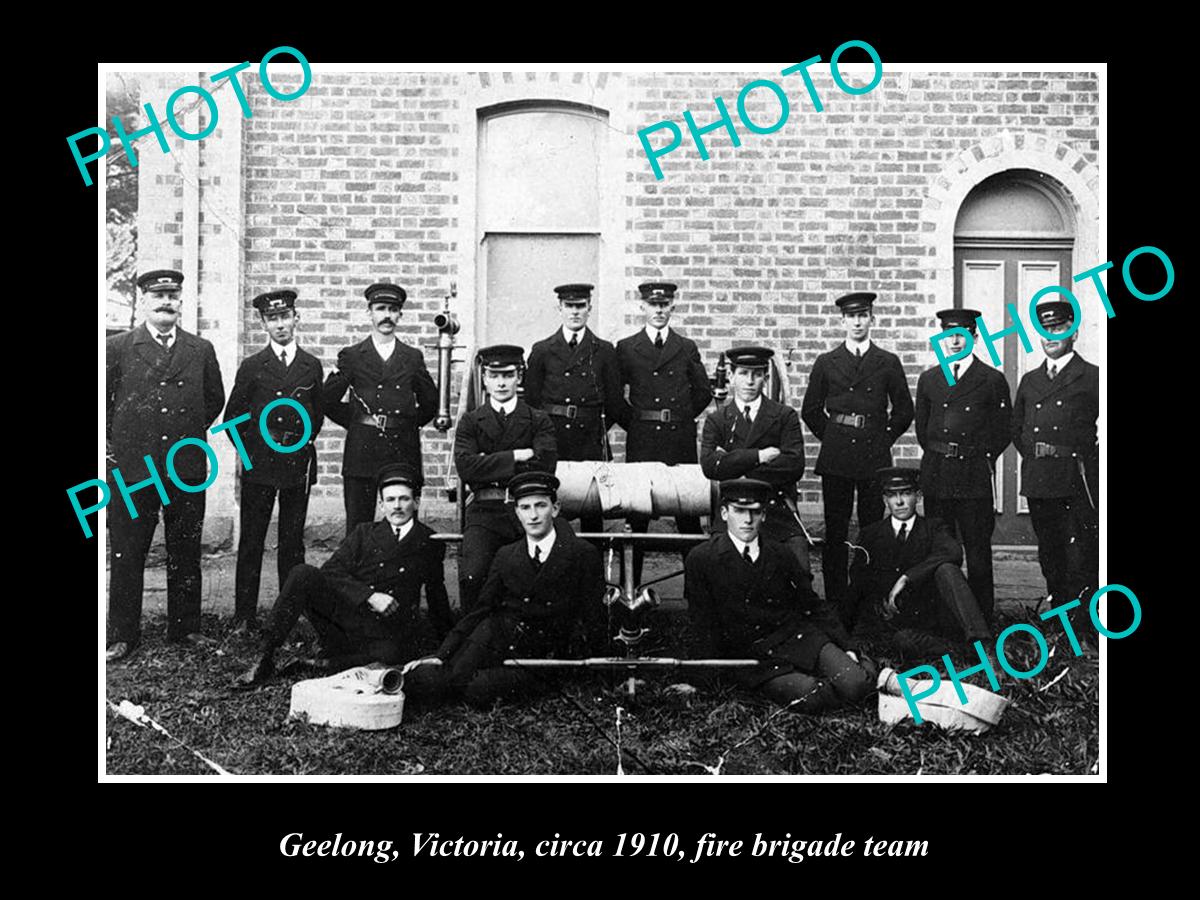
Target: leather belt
(489, 493)
(858, 420)
(953, 450)
(571, 411)
(654, 415)
(1054, 451)
(382, 421)
(286, 438)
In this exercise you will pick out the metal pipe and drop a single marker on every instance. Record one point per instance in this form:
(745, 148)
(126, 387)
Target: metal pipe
(447, 326)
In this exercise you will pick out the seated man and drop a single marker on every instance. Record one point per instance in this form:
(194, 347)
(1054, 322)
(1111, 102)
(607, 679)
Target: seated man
(747, 597)
(363, 602)
(907, 577)
(539, 593)
(754, 437)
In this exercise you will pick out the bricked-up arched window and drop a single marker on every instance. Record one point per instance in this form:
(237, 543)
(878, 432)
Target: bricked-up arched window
(1014, 235)
(539, 213)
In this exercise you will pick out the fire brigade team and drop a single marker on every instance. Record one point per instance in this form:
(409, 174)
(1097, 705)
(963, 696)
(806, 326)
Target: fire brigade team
(748, 586)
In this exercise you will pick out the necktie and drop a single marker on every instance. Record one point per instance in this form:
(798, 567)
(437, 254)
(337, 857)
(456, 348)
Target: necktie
(398, 536)
(658, 341)
(746, 413)
(573, 342)
(537, 556)
(165, 340)
(1051, 371)
(902, 534)
(858, 352)
(283, 356)
(956, 365)
(746, 555)
(502, 416)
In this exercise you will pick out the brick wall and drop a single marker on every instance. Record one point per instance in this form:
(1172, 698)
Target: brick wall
(359, 180)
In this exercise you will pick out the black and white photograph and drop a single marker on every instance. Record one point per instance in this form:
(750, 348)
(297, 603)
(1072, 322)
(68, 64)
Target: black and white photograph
(648, 421)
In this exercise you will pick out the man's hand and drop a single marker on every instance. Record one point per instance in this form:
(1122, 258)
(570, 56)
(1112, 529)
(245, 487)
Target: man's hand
(383, 604)
(423, 661)
(523, 455)
(768, 454)
(889, 608)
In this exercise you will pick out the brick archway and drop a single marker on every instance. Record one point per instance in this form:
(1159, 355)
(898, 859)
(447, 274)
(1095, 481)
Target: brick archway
(1079, 179)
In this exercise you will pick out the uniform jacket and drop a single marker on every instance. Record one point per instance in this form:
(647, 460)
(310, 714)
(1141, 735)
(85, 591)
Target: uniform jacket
(262, 379)
(728, 450)
(371, 560)
(976, 414)
(742, 610)
(534, 612)
(401, 387)
(587, 378)
(673, 378)
(1062, 412)
(929, 544)
(840, 383)
(154, 398)
(483, 450)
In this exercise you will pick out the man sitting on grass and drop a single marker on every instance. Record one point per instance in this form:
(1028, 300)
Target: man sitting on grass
(363, 602)
(748, 597)
(907, 579)
(540, 592)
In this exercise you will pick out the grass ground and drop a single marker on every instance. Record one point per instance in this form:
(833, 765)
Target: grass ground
(1047, 727)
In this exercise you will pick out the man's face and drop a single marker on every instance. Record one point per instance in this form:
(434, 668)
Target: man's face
(162, 308)
(955, 343)
(657, 312)
(574, 315)
(281, 326)
(858, 324)
(901, 504)
(743, 521)
(537, 513)
(399, 503)
(1061, 347)
(501, 385)
(748, 383)
(384, 317)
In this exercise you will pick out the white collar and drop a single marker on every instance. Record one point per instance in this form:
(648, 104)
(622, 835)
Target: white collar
(155, 333)
(278, 348)
(864, 346)
(754, 407)
(546, 543)
(652, 332)
(566, 333)
(404, 529)
(1060, 363)
(385, 348)
(507, 406)
(740, 546)
(896, 523)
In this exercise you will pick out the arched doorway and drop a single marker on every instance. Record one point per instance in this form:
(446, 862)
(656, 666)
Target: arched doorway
(1014, 234)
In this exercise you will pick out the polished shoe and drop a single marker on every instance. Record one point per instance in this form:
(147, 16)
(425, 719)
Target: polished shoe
(263, 668)
(914, 644)
(118, 651)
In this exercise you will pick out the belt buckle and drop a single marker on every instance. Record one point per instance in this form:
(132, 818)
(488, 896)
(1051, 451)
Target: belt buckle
(857, 420)
(1042, 449)
(664, 415)
(380, 421)
(572, 411)
(953, 454)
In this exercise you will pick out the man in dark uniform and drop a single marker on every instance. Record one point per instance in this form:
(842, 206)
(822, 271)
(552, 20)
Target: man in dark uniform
(572, 376)
(391, 395)
(364, 601)
(493, 442)
(747, 597)
(906, 578)
(278, 371)
(1054, 428)
(963, 429)
(846, 406)
(161, 384)
(668, 388)
(542, 592)
(752, 436)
